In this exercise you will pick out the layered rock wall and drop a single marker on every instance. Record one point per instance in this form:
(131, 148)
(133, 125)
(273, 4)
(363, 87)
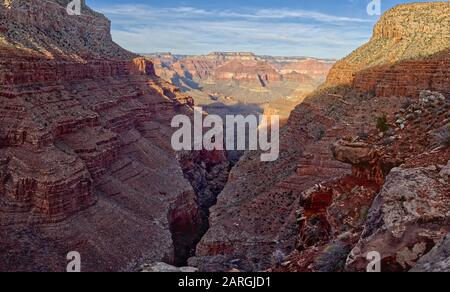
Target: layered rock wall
(405, 54)
(407, 78)
(85, 157)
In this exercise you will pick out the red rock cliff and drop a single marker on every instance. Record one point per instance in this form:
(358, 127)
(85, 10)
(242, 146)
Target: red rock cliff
(85, 159)
(404, 55)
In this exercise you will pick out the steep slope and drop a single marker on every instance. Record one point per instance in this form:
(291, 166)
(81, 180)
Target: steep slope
(395, 202)
(310, 201)
(85, 157)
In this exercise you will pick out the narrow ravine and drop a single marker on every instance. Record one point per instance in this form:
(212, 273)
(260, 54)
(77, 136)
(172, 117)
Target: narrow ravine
(207, 172)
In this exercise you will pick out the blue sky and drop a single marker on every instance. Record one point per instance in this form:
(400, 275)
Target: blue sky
(320, 28)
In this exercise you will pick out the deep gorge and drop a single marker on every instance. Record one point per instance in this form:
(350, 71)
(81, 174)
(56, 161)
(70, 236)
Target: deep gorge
(207, 172)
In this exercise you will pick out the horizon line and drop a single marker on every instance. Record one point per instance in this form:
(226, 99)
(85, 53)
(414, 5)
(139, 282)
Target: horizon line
(235, 52)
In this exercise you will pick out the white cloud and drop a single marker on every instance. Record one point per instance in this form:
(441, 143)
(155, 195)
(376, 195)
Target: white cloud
(191, 12)
(190, 30)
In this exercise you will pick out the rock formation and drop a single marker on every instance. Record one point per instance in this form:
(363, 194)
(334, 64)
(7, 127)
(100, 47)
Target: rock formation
(85, 157)
(407, 53)
(394, 202)
(86, 164)
(322, 207)
(256, 217)
(411, 213)
(227, 80)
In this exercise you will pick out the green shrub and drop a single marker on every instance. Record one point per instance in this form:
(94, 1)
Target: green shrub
(382, 124)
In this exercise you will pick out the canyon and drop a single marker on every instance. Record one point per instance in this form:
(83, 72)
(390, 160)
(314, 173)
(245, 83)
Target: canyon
(324, 206)
(86, 163)
(242, 82)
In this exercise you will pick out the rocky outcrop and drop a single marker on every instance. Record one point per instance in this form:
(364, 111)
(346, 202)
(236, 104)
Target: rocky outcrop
(408, 217)
(412, 174)
(404, 55)
(437, 260)
(85, 157)
(332, 213)
(356, 153)
(366, 160)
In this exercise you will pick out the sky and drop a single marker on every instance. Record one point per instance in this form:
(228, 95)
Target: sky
(314, 28)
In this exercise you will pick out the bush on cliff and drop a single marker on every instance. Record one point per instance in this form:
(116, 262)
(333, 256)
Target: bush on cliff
(382, 124)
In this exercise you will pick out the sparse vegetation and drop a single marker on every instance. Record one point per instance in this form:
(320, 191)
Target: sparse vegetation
(382, 124)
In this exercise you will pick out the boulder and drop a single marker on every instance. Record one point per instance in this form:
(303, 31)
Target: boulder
(353, 153)
(409, 216)
(437, 260)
